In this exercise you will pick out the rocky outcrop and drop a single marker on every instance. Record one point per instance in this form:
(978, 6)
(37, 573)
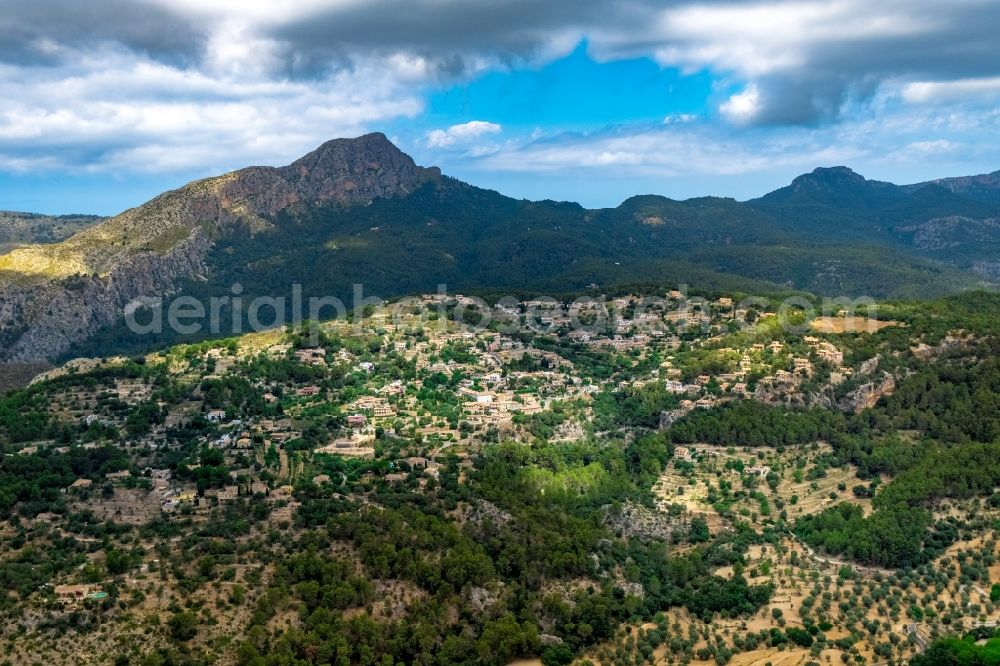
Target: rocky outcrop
(984, 187)
(926, 352)
(868, 394)
(51, 316)
(987, 269)
(869, 366)
(52, 296)
(953, 231)
(669, 417)
(482, 511)
(485, 599)
(635, 521)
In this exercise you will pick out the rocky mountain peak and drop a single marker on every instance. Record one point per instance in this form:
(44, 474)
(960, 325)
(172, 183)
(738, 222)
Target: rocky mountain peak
(335, 155)
(838, 186)
(353, 171)
(346, 171)
(838, 176)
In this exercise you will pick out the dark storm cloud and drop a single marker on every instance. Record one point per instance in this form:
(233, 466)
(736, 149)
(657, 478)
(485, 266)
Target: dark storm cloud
(517, 27)
(32, 32)
(959, 42)
(934, 41)
(452, 34)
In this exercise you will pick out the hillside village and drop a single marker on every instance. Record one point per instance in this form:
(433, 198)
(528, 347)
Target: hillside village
(439, 384)
(263, 439)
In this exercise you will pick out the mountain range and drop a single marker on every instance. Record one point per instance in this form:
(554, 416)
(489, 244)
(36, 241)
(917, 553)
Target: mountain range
(361, 211)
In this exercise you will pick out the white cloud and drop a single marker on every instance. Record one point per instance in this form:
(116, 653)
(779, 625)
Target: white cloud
(923, 152)
(112, 111)
(742, 107)
(899, 140)
(235, 50)
(679, 118)
(920, 92)
(809, 59)
(464, 133)
(764, 37)
(666, 153)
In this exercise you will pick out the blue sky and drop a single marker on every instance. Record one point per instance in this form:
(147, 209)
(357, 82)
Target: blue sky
(108, 105)
(574, 93)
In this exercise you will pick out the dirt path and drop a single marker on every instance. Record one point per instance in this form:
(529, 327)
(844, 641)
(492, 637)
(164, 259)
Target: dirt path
(832, 561)
(984, 593)
(912, 630)
(283, 458)
(436, 452)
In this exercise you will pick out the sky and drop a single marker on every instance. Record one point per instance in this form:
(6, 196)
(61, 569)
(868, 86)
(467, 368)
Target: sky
(106, 103)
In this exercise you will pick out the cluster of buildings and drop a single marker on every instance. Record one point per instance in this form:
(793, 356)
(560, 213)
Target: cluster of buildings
(491, 378)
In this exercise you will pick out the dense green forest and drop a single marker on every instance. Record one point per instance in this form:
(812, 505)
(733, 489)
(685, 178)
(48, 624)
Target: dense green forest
(960, 652)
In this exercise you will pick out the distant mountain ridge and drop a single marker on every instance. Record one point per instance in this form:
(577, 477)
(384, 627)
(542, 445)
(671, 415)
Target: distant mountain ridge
(839, 201)
(361, 211)
(831, 185)
(984, 187)
(24, 228)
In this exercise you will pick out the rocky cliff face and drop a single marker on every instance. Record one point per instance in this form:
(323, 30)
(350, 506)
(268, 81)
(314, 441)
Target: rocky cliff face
(47, 317)
(52, 296)
(868, 394)
(954, 231)
(670, 417)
